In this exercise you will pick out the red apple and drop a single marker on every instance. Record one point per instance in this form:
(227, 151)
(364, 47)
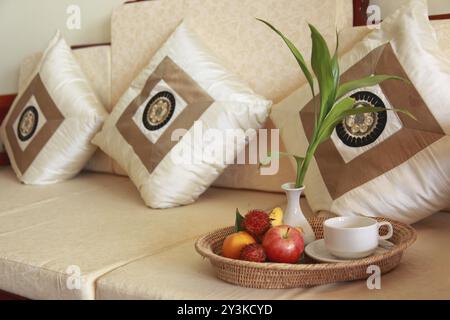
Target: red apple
(283, 244)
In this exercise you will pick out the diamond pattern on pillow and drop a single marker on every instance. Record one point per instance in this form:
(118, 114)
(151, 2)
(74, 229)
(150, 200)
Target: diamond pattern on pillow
(360, 133)
(48, 129)
(165, 130)
(151, 144)
(32, 123)
(385, 155)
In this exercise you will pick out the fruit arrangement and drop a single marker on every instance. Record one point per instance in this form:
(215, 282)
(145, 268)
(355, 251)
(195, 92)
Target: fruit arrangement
(262, 237)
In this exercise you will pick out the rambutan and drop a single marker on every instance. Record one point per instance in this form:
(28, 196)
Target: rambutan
(254, 253)
(257, 223)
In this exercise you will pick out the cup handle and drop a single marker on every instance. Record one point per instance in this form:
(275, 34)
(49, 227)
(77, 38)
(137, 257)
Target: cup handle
(390, 230)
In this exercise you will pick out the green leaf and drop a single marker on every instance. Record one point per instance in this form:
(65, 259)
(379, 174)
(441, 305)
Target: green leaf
(298, 56)
(337, 44)
(322, 67)
(334, 117)
(238, 223)
(331, 123)
(376, 109)
(338, 108)
(336, 70)
(365, 82)
(336, 76)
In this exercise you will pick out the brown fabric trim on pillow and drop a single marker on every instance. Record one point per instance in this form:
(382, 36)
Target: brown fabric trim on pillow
(341, 177)
(179, 81)
(54, 118)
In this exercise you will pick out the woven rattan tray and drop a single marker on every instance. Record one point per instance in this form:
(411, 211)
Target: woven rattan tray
(309, 274)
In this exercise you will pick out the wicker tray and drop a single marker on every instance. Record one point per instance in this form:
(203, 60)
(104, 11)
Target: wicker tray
(282, 276)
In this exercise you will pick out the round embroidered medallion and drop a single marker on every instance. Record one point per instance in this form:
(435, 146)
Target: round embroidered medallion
(27, 123)
(363, 129)
(159, 111)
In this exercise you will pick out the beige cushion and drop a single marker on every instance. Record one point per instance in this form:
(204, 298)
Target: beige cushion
(350, 36)
(98, 223)
(398, 168)
(230, 30)
(180, 273)
(181, 122)
(250, 176)
(48, 129)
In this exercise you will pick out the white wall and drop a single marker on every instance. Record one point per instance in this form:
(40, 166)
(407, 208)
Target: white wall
(389, 6)
(26, 26)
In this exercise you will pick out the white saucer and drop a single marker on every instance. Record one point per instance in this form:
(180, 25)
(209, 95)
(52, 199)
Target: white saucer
(319, 252)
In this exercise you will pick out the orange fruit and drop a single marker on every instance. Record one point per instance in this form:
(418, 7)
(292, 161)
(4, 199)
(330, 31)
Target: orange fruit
(234, 243)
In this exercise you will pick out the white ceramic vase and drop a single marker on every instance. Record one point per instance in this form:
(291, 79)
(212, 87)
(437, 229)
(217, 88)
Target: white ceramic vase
(293, 215)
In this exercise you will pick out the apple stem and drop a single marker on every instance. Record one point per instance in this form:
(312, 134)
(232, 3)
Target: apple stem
(287, 232)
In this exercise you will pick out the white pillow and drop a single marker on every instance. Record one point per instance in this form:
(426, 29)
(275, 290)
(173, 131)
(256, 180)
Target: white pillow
(392, 166)
(183, 84)
(48, 129)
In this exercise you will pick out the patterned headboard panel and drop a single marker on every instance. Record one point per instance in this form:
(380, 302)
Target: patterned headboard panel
(230, 29)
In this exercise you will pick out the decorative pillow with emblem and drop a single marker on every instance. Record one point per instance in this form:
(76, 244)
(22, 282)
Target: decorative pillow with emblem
(48, 129)
(383, 164)
(183, 101)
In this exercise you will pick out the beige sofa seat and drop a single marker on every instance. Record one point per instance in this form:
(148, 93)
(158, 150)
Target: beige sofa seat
(95, 224)
(180, 273)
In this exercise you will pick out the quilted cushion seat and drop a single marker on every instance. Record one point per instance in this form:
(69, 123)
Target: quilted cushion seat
(127, 251)
(95, 224)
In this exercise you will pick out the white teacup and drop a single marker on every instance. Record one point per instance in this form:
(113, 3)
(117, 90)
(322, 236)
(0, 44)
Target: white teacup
(354, 237)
